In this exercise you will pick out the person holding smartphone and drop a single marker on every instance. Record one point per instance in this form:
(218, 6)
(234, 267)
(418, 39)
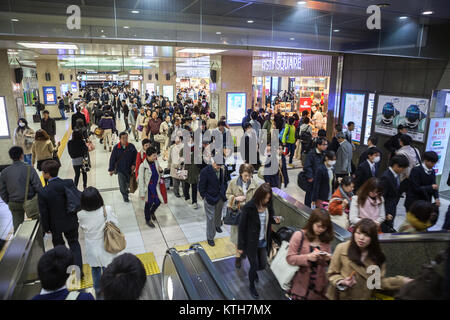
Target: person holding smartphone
(347, 272)
(310, 250)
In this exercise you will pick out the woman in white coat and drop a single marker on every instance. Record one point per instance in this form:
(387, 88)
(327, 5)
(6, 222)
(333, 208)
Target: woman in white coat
(148, 182)
(92, 220)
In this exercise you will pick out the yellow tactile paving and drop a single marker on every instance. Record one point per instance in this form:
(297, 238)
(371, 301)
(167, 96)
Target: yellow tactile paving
(148, 259)
(223, 248)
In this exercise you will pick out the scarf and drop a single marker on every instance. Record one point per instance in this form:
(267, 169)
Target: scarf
(240, 183)
(346, 196)
(416, 223)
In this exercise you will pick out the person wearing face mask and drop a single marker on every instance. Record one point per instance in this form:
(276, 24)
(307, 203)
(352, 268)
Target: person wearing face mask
(372, 144)
(339, 205)
(368, 203)
(148, 181)
(310, 249)
(24, 138)
(348, 273)
(367, 169)
(324, 180)
(239, 192)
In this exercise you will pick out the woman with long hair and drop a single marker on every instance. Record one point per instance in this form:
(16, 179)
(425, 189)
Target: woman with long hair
(348, 271)
(24, 137)
(78, 151)
(254, 236)
(310, 250)
(368, 203)
(339, 205)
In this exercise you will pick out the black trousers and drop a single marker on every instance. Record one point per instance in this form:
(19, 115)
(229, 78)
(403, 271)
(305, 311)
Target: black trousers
(156, 144)
(77, 170)
(150, 209)
(258, 261)
(186, 187)
(74, 245)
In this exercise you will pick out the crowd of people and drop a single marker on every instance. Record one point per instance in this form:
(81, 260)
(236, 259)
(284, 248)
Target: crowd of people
(359, 198)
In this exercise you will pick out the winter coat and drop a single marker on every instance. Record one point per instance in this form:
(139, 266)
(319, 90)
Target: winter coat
(212, 189)
(235, 190)
(144, 177)
(174, 159)
(344, 158)
(408, 152)
(41, 150)
(19, 139)
(107, 123)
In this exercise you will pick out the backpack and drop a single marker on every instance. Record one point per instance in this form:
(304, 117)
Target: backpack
(283, 234)
(73, 198)
(305, 137)
(280, 136)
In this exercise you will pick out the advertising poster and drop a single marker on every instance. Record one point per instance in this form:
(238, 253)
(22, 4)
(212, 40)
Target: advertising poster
(438, 135)
(369, 117)
(305, 104)
(150, 87)
(236, 105)
(64, 88)
(353, 111)
(4, 126)
(168, 92)
(49, 95)
(410, 112)
(74, 87)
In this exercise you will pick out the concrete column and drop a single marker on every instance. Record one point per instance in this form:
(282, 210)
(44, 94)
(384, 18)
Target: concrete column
(48, 66)
(145, 80)
(7, 86)
(167, 67)
(234, 75)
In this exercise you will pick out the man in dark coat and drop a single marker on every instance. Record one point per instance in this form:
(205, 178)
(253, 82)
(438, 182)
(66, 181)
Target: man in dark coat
(390, 181)
(123, 162)
(367, 169)
(372, 144)
(55, 218)
(212, 186)
(422, 181)
(393, 144)
(76, 116)
(313, 159)
(49, 125)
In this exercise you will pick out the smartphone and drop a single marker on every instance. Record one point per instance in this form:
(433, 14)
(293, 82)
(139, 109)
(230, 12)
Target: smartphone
(323, 253)
(280, 217)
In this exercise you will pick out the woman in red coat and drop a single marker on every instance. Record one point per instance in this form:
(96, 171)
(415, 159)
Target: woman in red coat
(313, 257)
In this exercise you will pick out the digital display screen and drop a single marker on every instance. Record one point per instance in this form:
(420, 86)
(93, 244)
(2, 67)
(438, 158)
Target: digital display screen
(236, 106)
(4, 126)
(353, 111)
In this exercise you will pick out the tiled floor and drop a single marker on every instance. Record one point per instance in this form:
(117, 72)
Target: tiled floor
(178, 224)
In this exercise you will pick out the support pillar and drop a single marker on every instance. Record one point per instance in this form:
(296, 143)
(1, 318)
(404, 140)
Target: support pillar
(167, 78)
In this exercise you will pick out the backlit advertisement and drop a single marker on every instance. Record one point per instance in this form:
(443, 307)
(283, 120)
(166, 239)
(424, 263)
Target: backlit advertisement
(438, 135)
(74, 87)
(49, 95)
(64, 88)
(4, 126)
(353, 111)
(236, 105)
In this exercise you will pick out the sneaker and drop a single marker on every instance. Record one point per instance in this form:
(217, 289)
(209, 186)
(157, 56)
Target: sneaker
(177, 195)
(126, 199)
(237, 262)
(195, 205)
(104, 147)
(219, 229)
(153, 217)
(110, 149)
(211, 243)
(150, 223)
(253, 292)
(257, 278)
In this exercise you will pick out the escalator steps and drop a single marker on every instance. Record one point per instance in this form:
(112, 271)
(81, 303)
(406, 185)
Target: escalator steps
(148, 260)
(223, 248)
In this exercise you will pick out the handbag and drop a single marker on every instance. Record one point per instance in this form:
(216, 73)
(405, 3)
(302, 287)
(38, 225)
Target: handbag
(302, 181)
(159, 138)
(283, 271)
(99, 132)
(85, 164)
(113, 239)
(90, 146)
(30, 206)
(181, 174)
(139, 128)
(133, 182)
(162, 188)
(233, 216)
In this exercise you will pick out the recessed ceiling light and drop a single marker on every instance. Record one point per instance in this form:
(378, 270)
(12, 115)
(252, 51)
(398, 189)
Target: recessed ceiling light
(426, 13)
(36, 56)
(126, 27)
(103, 36)
(47, 45)
(301, 2)
(14, 20)
(292, 39)
(206, 51)
(250, 21)
(102, 30)
(134, 11)
(403, 17)
(218, 32)
(336, 30)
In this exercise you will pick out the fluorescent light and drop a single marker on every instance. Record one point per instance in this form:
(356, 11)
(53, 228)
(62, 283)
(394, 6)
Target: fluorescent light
(134, 11)
(126, 27)
(336, 30)
(292, 39)
(218, 32)
(207, 51)
(301, 2)
(426, 13)
(250, 21)
(103, 36)
(47, 45)
(14, 20)
(102, 30)
(403, 17)
(116, 70)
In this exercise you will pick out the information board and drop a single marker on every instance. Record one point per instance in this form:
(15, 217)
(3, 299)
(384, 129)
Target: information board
(236, 106)
(438, 135)
(4, 126)
(74, 87)
(49, 95)
(354, 111)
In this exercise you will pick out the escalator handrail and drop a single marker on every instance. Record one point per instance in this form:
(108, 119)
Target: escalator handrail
(429, 236)
(183, 274)
(213, 272)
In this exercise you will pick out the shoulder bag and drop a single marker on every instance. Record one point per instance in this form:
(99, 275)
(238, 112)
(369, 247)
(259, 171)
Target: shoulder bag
(283, 271)
(133, 182)
(113, 238)
(233, 217)
(30, 206)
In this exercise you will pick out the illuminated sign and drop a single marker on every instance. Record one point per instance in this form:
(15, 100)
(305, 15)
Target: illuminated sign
(438, 136)
(49, 95)
(282, 62)
(236, 107)
(4, 126)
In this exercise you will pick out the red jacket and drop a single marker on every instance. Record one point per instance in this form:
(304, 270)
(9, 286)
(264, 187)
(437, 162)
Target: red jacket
(86, 114)
(139, 159)
(298, 257)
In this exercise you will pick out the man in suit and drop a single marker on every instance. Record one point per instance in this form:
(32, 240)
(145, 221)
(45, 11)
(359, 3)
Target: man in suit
(393, 144)
(422, 181)
(313, 160)
(348, 134)
(52, 272)
(372, 143)
(55, 219)
(343, 156)
(367, 169)
(391, 189)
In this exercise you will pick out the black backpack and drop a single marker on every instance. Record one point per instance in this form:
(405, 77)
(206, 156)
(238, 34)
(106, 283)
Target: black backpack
(73, 198)
(283, 234)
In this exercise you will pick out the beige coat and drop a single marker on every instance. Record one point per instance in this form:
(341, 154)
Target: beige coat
(144, 177)
(41, 150)
(19, 139)
(341, 267)
(234, 191)
(211, 124)
(174, 159)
